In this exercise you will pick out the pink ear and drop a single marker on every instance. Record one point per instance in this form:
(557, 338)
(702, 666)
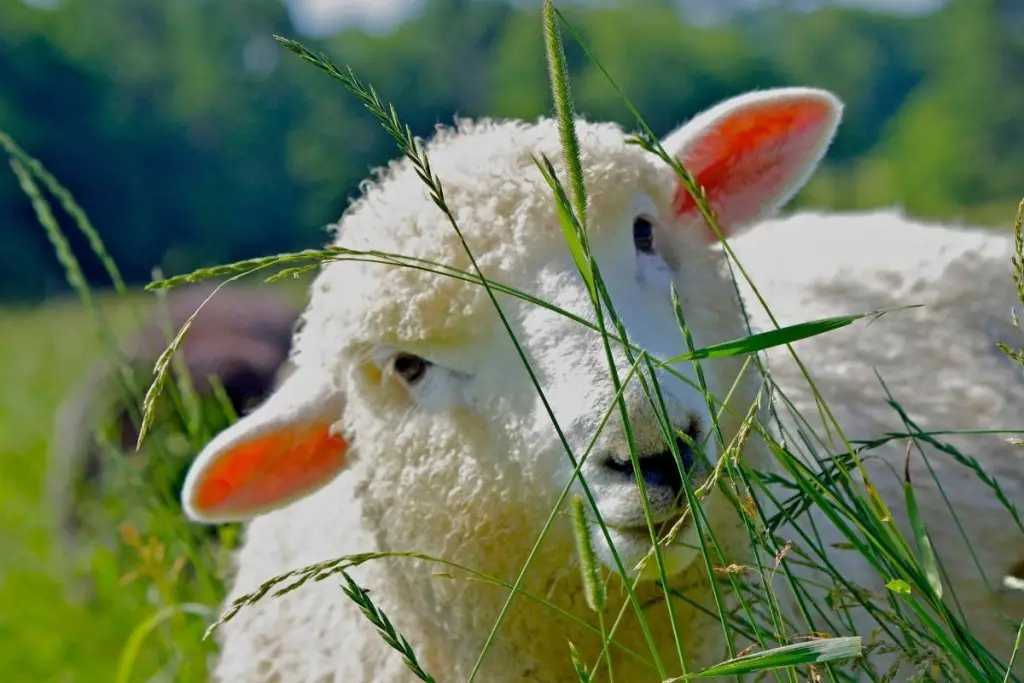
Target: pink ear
(265, 472)
(753, 152)
(281, 452)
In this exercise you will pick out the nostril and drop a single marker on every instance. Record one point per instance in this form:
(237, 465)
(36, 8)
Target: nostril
(659, 469)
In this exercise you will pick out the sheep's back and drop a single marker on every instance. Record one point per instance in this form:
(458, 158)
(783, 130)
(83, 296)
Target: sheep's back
(939, 362)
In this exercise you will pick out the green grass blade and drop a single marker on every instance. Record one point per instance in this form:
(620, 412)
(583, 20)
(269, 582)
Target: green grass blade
(594, 589)
(70, 206)
(385, 628)
(558, 73)
(133, 647)
(577, 664)
(924, 544)
(776, 337)
(812, 652)
(1016, 643)
(570, 226)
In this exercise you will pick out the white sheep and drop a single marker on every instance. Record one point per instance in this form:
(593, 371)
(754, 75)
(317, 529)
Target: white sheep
(940, 362)
(410, 423)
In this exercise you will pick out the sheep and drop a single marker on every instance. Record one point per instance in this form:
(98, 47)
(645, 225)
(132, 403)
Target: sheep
(940, 363)
(241, 338)
(410, 424)
(453, 454)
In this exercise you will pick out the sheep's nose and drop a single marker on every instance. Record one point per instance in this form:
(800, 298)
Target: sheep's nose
(658, 469)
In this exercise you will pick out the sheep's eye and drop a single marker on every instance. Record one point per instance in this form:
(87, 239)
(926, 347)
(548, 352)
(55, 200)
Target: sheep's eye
(410, 368)
(643, 235)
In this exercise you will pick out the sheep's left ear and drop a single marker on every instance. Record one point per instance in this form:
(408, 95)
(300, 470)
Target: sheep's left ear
(283, 451)
(753, 152)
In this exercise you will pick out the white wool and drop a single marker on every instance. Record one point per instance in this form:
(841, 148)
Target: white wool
(473, 485)
(466, 466)
(940, 362)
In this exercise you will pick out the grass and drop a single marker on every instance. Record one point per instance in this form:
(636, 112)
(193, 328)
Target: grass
(43, 637)
(135, 629)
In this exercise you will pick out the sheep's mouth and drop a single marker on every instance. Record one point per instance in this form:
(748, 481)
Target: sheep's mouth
(662, 524)
(679, 515)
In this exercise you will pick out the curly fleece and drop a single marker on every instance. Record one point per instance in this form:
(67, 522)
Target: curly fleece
(448, 484)
(505, 211)
(939, 362)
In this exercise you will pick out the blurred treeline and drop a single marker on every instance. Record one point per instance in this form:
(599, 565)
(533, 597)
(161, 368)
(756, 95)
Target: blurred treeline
(191, 138)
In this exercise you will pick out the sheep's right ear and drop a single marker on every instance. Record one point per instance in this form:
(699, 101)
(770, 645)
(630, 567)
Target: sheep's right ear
(283, 451)
(753, 152)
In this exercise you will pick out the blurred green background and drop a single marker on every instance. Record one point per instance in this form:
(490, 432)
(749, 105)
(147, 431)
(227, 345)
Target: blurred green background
(190, 138)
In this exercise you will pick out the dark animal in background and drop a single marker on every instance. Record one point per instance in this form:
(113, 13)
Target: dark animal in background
(240, 340)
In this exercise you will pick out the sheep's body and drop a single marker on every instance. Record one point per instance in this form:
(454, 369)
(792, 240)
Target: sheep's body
(940, 362)
(456, 457)
(241, 337)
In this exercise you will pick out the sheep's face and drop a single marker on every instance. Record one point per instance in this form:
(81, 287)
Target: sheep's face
(419, 372)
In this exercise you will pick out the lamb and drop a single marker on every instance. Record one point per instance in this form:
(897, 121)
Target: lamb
(241, 337)
(409, 423)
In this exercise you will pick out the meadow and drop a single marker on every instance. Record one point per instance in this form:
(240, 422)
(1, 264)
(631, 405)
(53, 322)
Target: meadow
(131, 620)
(156, 589)
(44, 351)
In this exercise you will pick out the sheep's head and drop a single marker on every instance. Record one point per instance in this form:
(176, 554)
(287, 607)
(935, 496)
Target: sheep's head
(417, 372)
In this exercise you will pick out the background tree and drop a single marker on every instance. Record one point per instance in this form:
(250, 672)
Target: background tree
(191, 138)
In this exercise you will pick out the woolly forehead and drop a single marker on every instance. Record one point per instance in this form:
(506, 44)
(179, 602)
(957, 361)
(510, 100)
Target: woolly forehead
(504, 209)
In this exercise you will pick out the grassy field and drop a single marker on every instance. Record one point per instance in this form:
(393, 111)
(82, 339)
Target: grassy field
(44, 637)
(46, 632)
(144, 619)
